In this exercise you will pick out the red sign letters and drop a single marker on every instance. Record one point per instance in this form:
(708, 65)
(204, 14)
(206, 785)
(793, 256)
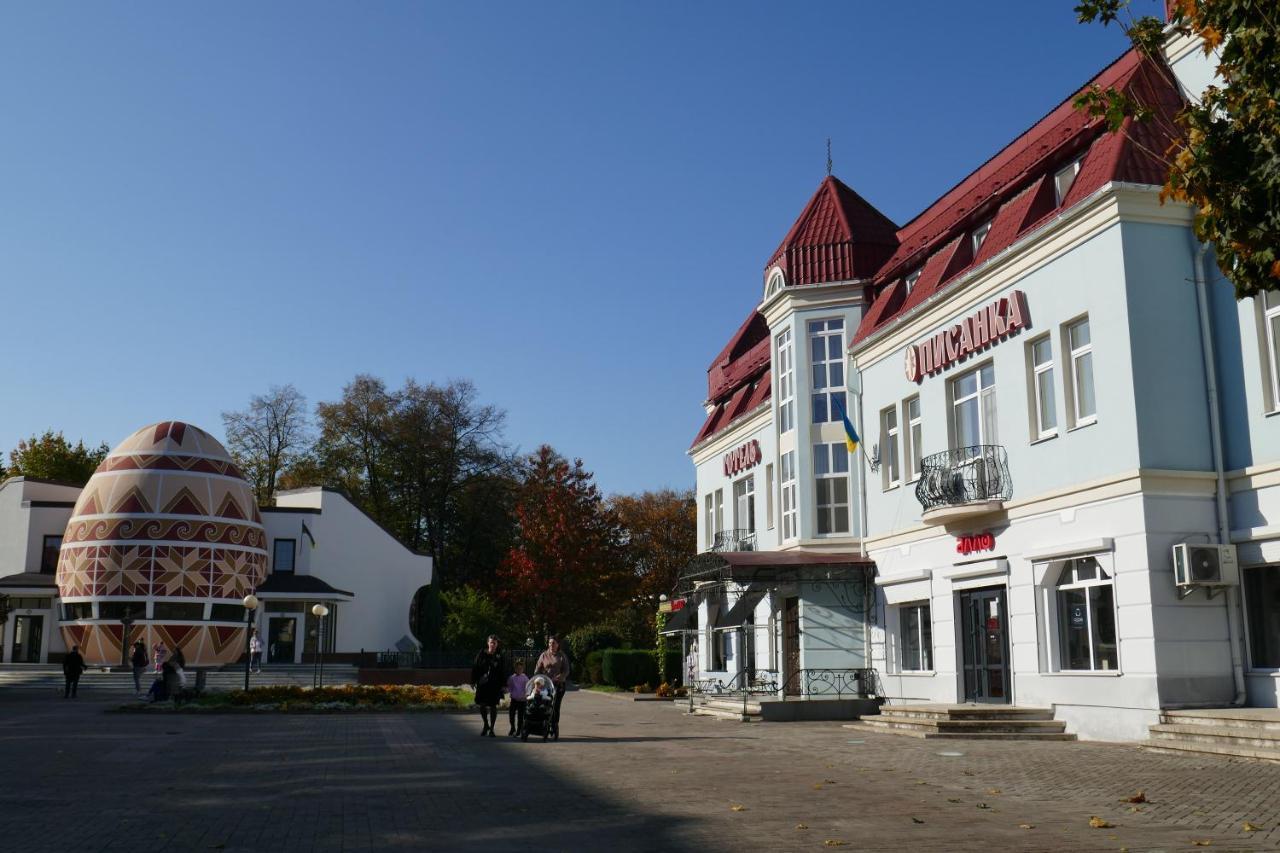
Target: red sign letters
(989, 325)
(975, 542)
(742, 458)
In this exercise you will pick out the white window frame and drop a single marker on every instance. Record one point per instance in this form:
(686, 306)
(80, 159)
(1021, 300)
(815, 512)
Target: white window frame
(988, 433)
(912, 438)
(1055, 627)
(1073, 355)
(768, 496)
(709, 521)
(744, 491)
(786, 381)
(979, 236)
(719, 510)
(890, 462)
(1271, 357)
(1061, 192)
(832, 456)
(926, 618)
(790, 514)
(829, 331)
(910, 281)
(1040, 374)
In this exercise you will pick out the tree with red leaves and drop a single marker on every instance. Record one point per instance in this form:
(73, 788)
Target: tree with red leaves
(565, 569)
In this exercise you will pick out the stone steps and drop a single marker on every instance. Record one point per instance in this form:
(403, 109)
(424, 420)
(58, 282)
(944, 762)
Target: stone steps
(1231, 732)
(967, 722)
(726, 709)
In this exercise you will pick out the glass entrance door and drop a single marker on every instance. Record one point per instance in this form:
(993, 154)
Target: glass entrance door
(281, 639)
(791, 646)
(28, 634)
(984, 637)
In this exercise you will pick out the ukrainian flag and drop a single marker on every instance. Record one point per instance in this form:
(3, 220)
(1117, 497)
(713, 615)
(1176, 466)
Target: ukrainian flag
(851, 439)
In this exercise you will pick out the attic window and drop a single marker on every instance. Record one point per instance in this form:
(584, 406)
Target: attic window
(1063, 180)
(911, 280)
(979, 235)
(775, 284)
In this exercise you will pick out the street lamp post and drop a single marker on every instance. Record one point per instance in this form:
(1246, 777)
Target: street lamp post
(126, 622)
(320, 611)
(250, 605)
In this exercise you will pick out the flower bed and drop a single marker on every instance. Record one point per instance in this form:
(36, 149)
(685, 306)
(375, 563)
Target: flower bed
(289, 699)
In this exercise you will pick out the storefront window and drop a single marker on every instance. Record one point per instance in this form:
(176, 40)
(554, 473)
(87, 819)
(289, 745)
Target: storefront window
(1086, 617)
(916, 630)
(1262, 598)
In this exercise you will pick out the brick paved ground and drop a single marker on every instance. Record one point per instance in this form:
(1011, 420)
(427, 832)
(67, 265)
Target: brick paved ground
(627, 776)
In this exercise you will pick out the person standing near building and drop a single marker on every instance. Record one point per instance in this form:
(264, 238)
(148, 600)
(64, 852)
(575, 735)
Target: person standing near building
(255, 652)
(72, 667)
(517, 686)
(139, 663)
(488, 678)
(160, 654)
(555, 665)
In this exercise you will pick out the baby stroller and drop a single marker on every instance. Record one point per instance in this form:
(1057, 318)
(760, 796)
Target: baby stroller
(540, 705)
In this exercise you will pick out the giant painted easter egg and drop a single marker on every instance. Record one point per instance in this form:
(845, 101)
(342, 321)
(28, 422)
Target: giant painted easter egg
(166, 533)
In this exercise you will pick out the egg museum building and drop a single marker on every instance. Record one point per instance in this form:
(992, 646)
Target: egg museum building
(164, 543)
(1067, 491)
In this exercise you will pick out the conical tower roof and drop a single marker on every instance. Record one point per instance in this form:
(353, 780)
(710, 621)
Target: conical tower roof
(838, 236)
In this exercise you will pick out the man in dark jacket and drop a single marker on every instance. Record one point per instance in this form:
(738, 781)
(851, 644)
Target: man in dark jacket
(72, 666)
(139, 662)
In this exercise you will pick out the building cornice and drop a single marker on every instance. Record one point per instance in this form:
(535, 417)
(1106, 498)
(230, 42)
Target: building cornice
(725, 439)
(809, 297)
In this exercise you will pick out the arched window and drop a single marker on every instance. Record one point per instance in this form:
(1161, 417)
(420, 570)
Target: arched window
(1086, 617)
(775, 284)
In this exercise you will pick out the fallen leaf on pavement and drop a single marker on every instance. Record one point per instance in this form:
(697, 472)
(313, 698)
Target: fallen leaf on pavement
(994, 791)
(1201, 842)
(834, 842)
(953, 799)
(802, 826)
(916, 820)
(1140, 797)
(817, 786)
(828, 781)
(737, 807)
(967, 772)
(1134, 809)
(983, 806)
(1251, 827)
(1026, 826)
(1098, 823)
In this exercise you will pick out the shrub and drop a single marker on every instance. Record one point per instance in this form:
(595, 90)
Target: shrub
(675, 666)
(627, 667)
(591, 638)
(593, 668)
(643, 688)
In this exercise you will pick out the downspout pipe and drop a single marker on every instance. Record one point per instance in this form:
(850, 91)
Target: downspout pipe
(1231, 598)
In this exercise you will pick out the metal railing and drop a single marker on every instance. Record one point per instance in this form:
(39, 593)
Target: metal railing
(734, 540)
(831, 682)
(973, 474)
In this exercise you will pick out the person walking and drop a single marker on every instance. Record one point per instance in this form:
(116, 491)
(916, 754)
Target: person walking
(72, 667)
(517, 687)
(160, 654)
(255, 652)
(139, 662)
(488, 676)
(555, 664)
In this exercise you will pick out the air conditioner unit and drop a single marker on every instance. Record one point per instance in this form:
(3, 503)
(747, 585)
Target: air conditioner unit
(1205, 565)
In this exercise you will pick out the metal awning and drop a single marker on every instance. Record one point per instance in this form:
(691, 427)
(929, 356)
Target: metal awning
(684, 619)
(772, 567)
(743, 610)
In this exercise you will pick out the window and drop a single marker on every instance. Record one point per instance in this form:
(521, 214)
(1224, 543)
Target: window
(831, 483)
(183, 611)
(282, 554)
(29, 603)
(1262, 603)
(786, 383)
(980, 236)
(911, 281)
(1271, 322)
(916, 635)
(973, 397)
(121, 609)
(744, 504)
(913, 437)
(1083, 409)
(1063, 180)
(826, 346)
(768, 496)
(1086, 617)
(226, 613)
(79, 610)
(789, 495)
(890, 473)
(1044, 418)
(49, 554)
(719, 511)
(774, 285)
(709, 521)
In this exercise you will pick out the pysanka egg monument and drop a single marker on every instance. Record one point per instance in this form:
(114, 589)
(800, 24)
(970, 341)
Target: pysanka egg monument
(167, 532)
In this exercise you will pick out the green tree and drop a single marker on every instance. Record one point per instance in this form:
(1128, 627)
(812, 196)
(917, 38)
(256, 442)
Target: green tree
(470, 616)
(1225, 161)
(52, 457)
(268, 437)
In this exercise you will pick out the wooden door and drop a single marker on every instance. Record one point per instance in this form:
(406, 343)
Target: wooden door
(791, 646)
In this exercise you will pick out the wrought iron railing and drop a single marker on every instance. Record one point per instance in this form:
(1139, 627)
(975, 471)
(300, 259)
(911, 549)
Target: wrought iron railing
(964, 475)
(836, 683)
(734, 540)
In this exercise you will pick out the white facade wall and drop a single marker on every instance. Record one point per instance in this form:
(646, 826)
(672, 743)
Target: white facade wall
(24, 522)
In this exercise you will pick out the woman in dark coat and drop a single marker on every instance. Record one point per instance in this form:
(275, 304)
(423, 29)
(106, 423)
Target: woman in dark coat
(488, 675)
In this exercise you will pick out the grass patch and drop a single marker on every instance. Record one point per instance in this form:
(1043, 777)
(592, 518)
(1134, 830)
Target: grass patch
(302, 700)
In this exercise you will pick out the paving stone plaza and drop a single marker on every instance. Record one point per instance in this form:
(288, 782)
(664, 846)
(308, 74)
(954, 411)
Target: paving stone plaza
(626, 776)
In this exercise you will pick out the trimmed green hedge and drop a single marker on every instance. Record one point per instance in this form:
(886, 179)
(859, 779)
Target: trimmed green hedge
(626, 668)
(593, 669)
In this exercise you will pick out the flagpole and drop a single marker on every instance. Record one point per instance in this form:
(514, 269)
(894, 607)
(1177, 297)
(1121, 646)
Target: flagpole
(862, 472)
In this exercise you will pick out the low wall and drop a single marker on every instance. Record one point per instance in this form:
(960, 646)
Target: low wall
(778, 711)
(439, 677)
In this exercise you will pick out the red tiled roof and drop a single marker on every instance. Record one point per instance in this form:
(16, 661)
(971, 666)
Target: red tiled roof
(738, 378)
(838, 236)
(1014, 189)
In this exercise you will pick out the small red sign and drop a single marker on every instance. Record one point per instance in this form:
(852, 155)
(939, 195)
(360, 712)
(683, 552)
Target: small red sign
(677, 604)
(741, 458)
(985, 541)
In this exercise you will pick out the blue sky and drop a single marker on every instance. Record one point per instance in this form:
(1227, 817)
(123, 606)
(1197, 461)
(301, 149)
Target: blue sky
(568, 203)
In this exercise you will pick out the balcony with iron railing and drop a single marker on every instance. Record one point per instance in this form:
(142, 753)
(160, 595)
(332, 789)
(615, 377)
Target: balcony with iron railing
(963, 482)
(734, 540)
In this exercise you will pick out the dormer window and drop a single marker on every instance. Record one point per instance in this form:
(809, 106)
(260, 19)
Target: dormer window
(910, 281)
(1063, 180)
(775, 284)
(979, 236)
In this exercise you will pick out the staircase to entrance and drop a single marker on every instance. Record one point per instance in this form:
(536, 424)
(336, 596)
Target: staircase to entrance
(1230, 732)
(972, 721)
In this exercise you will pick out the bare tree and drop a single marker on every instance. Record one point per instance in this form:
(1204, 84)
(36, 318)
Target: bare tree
(268, 436)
